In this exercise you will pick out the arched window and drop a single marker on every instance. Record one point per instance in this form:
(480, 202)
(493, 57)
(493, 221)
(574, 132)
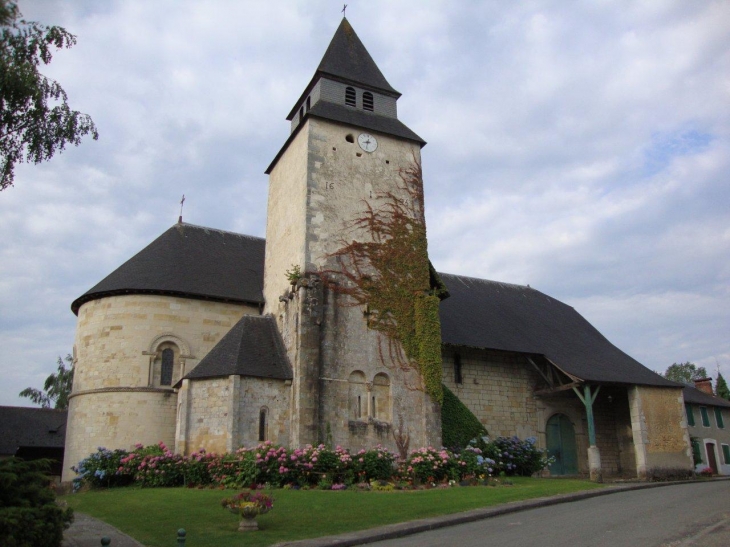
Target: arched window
(301, 113)
(309, 103)
(380, 404)
(166, 368)
(263, 423)
(358, 396)
(367, 101)
(168, 362)
(350, 96)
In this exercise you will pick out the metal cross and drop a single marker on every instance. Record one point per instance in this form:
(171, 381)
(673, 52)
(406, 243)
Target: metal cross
(182, 201)
(343, 10)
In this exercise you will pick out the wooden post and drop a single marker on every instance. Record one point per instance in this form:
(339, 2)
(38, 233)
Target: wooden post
(594, 456)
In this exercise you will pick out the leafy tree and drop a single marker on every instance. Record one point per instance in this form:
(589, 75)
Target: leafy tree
(31, 129)
(57, 387)
(685, 373)
(721, 389)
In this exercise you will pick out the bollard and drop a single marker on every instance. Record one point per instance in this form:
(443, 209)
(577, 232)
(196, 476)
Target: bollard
(181, 537)
(106, 541)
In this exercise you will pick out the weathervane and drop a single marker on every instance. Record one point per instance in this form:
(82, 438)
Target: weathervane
(182, 201)
(343, 10)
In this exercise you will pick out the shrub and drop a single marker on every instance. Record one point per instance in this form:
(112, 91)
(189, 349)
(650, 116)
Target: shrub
(514, 456)
(237, 470)
(29, 515)
(431, 465)
(103, 468)
(375, 464)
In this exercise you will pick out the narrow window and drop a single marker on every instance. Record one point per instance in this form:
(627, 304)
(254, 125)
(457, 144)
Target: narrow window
(458, 378)
(350, 96)
(726, 454)
(705, 416)
(168, 359)
(718, 418)
(690, 415)
(309, 103)
(262, 425)
(372, 410)
(696, 454)
(301, 114)
(367, 101)
(359, 407)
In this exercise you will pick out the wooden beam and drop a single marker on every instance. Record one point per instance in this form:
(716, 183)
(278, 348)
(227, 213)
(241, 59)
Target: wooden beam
(564, 387)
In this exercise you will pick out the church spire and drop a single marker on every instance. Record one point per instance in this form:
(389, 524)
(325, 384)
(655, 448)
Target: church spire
(347, 60)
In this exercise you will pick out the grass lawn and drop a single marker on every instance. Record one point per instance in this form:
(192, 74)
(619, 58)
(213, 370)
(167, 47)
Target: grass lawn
(153, 515)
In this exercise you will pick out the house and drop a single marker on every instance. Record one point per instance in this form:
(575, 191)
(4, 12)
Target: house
(32, 434)
(337, 328)
(706, 418)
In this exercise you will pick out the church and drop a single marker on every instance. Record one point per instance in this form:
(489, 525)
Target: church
(336, 328)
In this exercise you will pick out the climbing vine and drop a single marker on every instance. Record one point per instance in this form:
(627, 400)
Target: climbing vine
(387, 272)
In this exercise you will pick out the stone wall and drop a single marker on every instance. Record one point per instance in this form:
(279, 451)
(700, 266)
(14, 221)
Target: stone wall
(273, 397)
(659, 429)
(116, 347)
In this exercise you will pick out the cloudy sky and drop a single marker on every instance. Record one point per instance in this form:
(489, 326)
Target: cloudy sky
(579, 147)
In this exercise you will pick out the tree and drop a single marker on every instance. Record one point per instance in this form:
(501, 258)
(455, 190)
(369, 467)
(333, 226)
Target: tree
(35, 119)
(721, 389)
(57, 387)
(685, 373)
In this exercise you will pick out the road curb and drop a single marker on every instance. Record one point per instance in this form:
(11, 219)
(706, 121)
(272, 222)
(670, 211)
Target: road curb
(402, 529)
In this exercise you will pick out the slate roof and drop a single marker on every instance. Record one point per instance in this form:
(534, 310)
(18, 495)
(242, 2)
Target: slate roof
(699, 397)
(253, 347)
(347, 60)
(31, 427)
(501, 316)
(191, 261)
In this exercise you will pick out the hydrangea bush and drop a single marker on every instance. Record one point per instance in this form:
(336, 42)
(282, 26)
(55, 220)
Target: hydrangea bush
(320, 466)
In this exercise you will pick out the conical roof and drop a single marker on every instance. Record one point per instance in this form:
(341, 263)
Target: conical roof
(347, 59)
(191, 261)
(253, 347)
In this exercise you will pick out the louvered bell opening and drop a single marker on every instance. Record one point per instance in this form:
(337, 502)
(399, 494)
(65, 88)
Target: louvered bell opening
(350, 96)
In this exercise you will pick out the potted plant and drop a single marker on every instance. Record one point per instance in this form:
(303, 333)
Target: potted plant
(248, 505)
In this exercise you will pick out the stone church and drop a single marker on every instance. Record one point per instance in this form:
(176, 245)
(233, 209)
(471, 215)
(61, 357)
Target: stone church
(212, 339)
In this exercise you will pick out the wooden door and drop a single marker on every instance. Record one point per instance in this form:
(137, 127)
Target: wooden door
(711, 460)
(560, 437)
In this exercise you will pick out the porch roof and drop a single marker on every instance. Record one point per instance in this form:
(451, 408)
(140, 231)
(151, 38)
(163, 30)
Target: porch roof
(502, 316)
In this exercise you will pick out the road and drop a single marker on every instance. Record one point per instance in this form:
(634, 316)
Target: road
(684, 515)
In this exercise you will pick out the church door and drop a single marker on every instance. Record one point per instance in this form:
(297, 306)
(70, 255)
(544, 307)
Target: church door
(560, 436)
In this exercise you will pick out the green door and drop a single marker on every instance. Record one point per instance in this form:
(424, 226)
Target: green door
(561, 445)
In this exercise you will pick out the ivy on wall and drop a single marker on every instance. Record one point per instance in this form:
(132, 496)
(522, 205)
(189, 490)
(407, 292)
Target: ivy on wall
(386, 271)
(459, 425)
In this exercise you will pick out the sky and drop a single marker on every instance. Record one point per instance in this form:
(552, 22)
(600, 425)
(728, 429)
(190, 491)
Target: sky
(580, 147)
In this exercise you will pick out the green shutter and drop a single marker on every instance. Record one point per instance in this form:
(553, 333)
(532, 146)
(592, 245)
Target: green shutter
(718, 418)
(705, 416)
(690, 415)
(726, 453)
(696, 451)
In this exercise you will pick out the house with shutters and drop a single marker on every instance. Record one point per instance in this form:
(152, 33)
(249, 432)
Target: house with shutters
(212, 339)
(706, 418)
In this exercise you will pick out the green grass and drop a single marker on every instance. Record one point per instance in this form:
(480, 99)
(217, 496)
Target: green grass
(153, 515)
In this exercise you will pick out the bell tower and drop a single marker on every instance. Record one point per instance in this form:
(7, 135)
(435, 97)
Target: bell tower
(347, 150)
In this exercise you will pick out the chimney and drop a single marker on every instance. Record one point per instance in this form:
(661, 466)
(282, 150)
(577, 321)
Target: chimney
(704, 384)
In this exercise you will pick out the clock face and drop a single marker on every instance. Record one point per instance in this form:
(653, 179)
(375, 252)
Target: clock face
(367, 142)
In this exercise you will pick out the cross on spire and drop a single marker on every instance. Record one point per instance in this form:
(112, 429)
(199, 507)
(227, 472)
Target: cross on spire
(343, 10)
(182, 202)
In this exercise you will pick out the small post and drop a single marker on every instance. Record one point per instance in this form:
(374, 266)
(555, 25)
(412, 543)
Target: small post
(181, 537)
(106, 541)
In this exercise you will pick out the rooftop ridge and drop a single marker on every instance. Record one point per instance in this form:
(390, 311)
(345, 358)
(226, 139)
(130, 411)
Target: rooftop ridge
(208, 228)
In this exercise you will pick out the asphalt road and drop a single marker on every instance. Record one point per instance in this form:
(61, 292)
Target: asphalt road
(683, 515)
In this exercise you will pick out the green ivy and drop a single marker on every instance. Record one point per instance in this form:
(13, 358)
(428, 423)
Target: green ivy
(389, 275)
(458, 424)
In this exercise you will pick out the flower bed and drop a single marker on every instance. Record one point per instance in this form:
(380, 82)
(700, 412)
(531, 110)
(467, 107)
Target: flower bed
(309, 467)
